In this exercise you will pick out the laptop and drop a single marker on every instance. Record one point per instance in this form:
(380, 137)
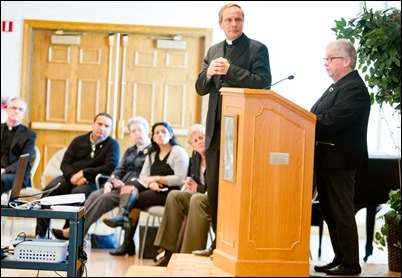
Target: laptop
(18, 180)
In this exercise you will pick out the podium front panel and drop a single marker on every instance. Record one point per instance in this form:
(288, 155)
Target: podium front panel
(264, 213)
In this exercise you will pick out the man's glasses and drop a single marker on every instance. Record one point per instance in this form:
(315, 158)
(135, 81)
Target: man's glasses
(93, 148)
(330, 59)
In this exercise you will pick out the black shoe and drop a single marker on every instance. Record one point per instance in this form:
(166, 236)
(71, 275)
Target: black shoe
(59, 234)
(326, 267)
(206, 252)
(345, 270)
(124, 249)
(164, 261)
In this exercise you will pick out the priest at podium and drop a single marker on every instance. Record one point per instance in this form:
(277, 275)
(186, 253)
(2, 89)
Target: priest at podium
(237, 61)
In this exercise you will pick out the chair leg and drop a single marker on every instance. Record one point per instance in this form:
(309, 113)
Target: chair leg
(12, 226)
(144, 237)
(156, 216)
(3, 224)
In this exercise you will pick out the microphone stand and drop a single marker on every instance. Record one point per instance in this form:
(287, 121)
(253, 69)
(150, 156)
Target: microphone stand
(290, 77)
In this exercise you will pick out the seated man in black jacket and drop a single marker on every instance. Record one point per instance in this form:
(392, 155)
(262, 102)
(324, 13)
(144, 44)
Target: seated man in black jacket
(87, 155)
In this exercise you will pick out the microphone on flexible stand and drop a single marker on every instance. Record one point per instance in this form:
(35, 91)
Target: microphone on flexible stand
(290, 77)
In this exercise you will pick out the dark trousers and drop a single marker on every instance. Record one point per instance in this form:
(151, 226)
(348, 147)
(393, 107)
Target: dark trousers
(65, 187)
(7, 180)
(212, 182)
(336, 194)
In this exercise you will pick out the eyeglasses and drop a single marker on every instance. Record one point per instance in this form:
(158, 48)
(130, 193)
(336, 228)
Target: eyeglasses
(93, 148)
(19, 109)
(330, 59)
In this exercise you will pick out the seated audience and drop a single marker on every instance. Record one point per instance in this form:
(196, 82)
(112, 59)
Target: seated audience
(164, 169)
(16, 139)
(108, 197)
(87, 155)
(187, 208)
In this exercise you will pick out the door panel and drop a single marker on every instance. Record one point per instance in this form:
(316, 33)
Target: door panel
(121, 72)
(160, 82)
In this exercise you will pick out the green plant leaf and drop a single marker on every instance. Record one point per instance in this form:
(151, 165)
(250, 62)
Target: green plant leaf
(378, 35)
(394, 214)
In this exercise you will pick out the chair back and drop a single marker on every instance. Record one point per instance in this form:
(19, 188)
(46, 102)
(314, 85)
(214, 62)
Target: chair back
(52, 168)
(35, 165)
(100, 179)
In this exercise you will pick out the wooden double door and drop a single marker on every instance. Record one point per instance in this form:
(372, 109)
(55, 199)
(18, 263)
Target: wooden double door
(72, 71)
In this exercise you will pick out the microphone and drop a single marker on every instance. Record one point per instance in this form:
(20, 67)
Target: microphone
(290, 77)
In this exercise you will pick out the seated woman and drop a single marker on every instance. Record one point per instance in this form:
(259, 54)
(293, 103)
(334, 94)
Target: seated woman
(108, 197)
(191, 202)
(164, 170)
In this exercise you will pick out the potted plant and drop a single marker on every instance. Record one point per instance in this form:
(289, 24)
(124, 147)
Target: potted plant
(378, 35)
(390, 233)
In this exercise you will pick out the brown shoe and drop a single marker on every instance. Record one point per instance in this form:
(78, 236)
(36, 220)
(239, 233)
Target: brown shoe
(206, 252)
(163, 262)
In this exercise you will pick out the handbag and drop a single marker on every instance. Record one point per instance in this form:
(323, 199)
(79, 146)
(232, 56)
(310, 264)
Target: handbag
(103, 241)
(150, 250)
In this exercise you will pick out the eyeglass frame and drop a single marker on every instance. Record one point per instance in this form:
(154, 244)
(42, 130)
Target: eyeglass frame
(330, 59)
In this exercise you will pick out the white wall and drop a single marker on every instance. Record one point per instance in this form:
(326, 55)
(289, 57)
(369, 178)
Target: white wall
(296, 34)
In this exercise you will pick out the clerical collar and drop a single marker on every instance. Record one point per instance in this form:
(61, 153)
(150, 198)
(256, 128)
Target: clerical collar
(12, 128)
(236, 41)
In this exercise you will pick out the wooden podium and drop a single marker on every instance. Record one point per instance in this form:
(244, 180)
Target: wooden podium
(265, 185)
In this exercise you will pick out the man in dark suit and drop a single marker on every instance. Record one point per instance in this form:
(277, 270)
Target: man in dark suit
(16, 139)
(235, 62)
(341, 148)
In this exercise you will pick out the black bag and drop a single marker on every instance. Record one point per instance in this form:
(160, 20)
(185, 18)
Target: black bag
(103, 241)
(150, 250)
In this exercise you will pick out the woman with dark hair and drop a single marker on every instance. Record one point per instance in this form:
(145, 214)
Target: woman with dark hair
(164, 169)
(186, 220)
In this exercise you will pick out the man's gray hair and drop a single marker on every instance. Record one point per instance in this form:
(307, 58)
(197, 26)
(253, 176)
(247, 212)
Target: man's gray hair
(344, 48)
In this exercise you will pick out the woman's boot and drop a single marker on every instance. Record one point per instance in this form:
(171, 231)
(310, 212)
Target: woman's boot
(128, 246)
(126, 202)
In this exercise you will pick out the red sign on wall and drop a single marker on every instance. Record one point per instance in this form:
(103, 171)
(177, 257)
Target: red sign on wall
(4, 102)
(6, 26)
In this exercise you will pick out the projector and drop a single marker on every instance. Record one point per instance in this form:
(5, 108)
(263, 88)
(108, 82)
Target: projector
(66, 199)
(40, 250)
